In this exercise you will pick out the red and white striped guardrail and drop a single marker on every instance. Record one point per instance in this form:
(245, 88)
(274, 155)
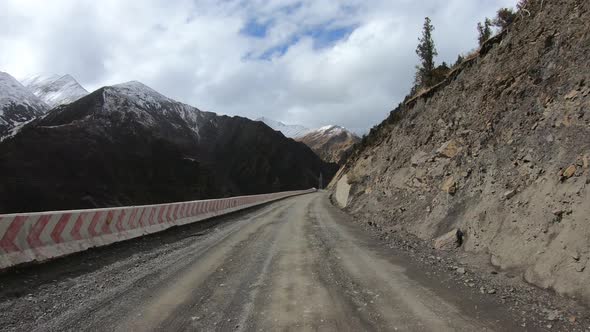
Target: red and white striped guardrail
(28, 237)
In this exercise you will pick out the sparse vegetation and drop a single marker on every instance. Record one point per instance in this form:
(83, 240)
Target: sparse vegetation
(459, 60)
(428, 75)
(504, 18)
(484, 31)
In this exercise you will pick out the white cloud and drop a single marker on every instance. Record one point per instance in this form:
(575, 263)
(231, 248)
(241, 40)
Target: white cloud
(197, 52)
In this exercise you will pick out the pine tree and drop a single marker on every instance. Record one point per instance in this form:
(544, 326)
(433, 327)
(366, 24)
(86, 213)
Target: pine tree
(459, 60)
(426, 51)
(484, 31)
(504, 18)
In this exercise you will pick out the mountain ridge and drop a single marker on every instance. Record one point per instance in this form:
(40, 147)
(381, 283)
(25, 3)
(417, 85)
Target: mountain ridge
(291, 131)
(128, 144)
(332, 142)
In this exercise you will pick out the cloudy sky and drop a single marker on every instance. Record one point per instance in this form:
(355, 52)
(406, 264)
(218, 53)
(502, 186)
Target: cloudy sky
(311, 62)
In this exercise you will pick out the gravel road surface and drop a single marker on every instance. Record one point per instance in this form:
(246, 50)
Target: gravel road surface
(298, 264)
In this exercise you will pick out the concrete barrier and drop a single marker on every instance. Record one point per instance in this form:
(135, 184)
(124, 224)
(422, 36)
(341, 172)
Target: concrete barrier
(28, 237)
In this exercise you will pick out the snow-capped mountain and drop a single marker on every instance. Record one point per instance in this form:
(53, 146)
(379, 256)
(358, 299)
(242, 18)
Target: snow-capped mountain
(332, 143)
(17, 104)
(291, 131)
(331, 130)
(55, 90)
(151, 108)
(127, 144)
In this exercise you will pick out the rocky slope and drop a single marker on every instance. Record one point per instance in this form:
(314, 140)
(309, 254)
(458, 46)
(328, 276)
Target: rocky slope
(500, 151)
(331, 143)
(55, 90)
(17, 105)
(128, 144)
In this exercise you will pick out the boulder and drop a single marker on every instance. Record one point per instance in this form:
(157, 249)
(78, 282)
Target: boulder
(450, 240)
(449, 186)
(569, 172)
(419, 158)
(449, 149)
(571, 95)
(509, 194)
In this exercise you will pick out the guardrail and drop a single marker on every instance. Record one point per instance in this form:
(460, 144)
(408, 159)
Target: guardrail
(28, 237)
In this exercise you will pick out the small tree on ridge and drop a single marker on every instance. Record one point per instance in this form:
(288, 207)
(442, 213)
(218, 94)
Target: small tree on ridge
(426, 50)
(484, 31)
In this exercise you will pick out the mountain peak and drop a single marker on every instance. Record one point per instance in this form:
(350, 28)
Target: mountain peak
(55, 89)
(133, 85)
(291, 131)
(17, 104)
(138, 90)
(332, 143)
(12, 91)
(329, 128)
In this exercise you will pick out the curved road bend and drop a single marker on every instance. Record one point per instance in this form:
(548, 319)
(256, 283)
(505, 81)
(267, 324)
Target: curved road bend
(298, 264)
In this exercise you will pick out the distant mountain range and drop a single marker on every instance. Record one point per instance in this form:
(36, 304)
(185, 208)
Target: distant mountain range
(291, 131)
(127, 144)
(332, 143)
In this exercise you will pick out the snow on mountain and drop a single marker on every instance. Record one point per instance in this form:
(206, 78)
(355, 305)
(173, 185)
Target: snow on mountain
(291, 131)
(332, 143)
(331, 130)
(17, 104)
(55, 90)
(11, 91)
(148, 104)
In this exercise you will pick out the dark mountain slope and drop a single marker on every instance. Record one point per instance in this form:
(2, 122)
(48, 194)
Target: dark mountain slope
(128, 145)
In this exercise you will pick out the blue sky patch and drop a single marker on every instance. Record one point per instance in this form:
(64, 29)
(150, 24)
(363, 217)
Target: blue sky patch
(278, 50)
(254, 28)
(325, 36)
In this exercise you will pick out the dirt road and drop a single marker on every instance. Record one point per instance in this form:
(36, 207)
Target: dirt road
(297, 265)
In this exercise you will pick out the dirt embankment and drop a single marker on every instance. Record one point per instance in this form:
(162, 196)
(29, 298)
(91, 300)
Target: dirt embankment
(501, 150)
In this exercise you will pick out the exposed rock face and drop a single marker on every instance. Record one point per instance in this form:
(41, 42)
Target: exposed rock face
(17, 105)
(331, 143)
(519, 115)
(129, 145)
